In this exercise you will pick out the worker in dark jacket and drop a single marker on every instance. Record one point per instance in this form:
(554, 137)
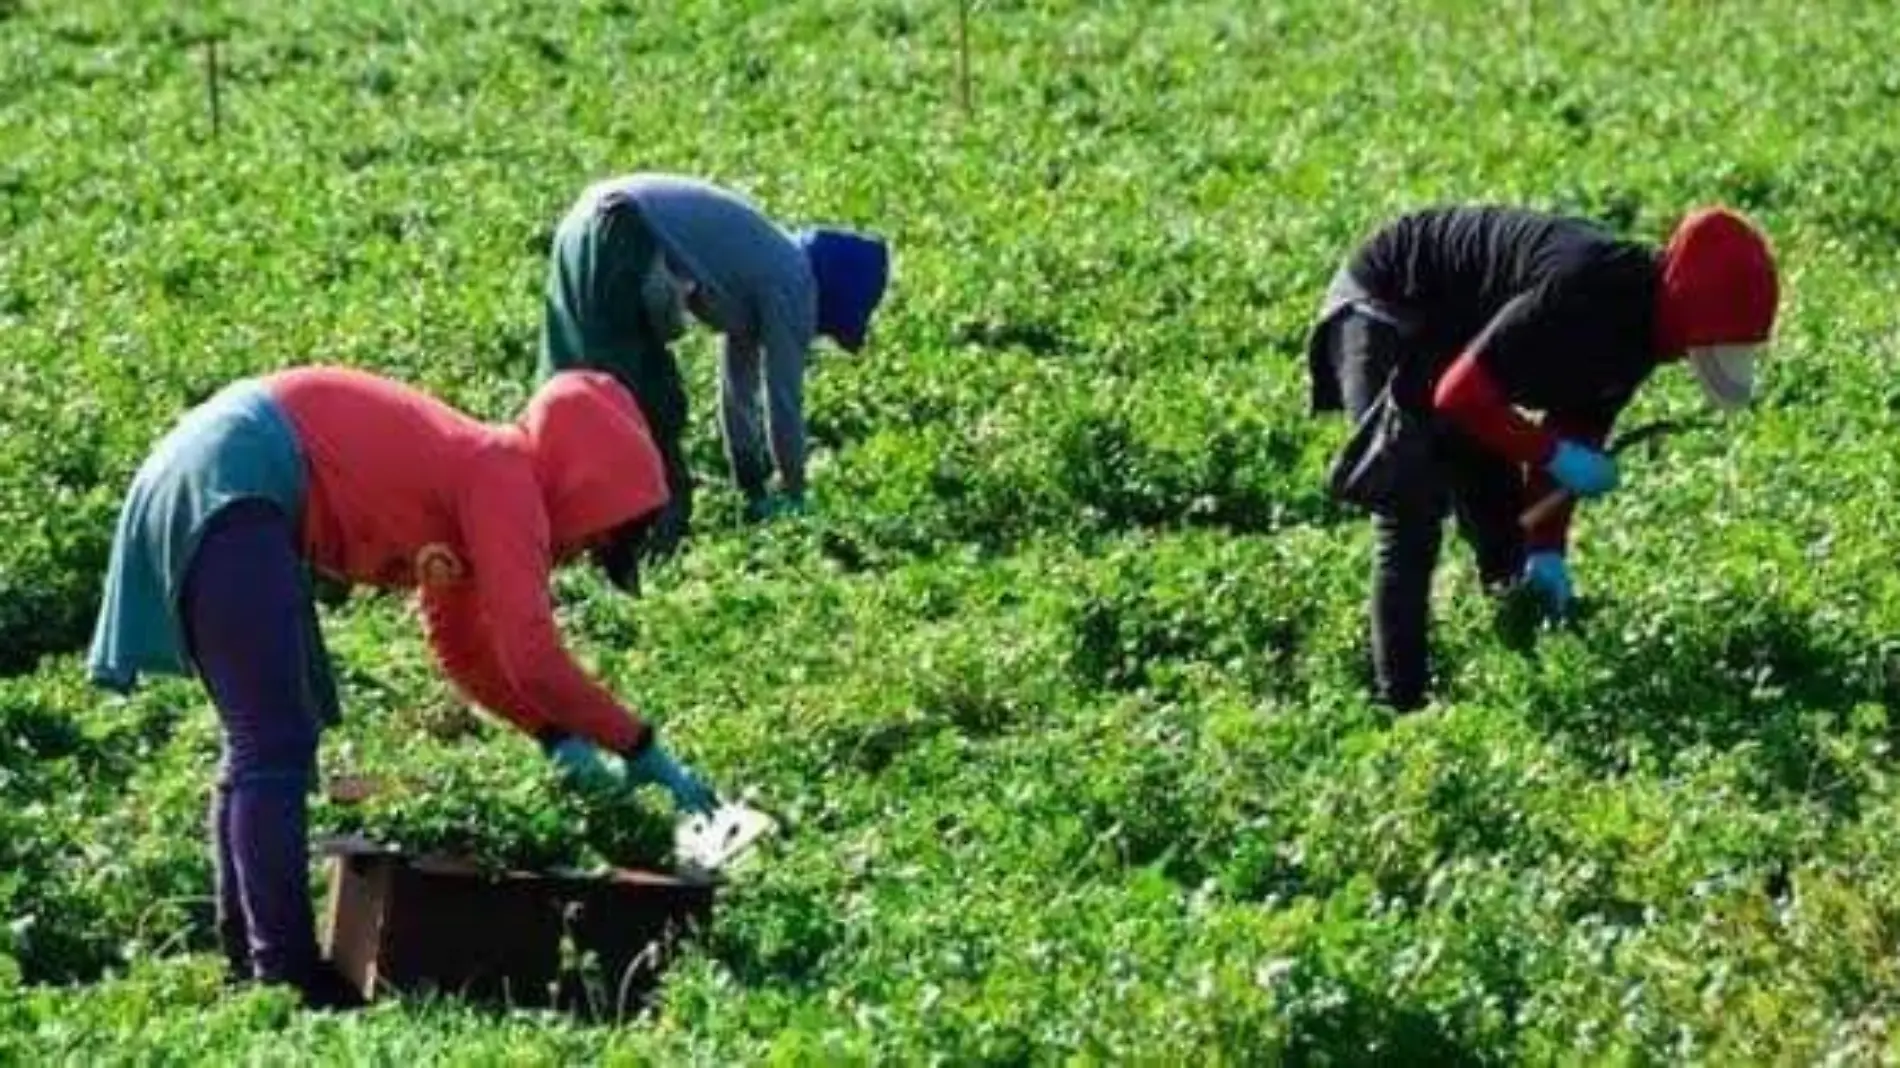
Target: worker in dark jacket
(1449, 324)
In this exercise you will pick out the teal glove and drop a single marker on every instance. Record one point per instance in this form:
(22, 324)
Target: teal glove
(1582, 470)
(774, 505)
(582, 765)
(1549, 577)
(656, 765)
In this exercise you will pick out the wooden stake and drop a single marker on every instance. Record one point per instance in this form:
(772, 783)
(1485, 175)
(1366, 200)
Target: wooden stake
(1527, 32)
(963, 53)
(211, 85)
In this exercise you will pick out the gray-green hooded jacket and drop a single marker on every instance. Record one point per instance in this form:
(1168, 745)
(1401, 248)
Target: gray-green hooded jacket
(619, 258)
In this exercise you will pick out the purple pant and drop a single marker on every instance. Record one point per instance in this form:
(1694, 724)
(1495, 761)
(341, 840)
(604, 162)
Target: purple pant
(244, 605)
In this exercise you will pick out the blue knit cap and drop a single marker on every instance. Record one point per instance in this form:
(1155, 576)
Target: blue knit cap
(851, 270)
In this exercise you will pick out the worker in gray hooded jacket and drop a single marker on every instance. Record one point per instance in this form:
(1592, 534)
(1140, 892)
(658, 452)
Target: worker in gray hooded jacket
(636, 254)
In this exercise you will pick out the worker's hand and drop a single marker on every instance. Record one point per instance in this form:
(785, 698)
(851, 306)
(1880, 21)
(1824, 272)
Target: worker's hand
(774, 505)
(669, 529)
(1549, 578)
(664, 295)
(656, 765)
(583, 765)
(1582, 470)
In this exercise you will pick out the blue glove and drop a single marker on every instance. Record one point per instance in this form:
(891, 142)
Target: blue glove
(1582, 470)
(581, 764)
(1549, 577)
(655, 765)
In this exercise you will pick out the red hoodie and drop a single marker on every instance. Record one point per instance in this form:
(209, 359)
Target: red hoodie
(406, 491)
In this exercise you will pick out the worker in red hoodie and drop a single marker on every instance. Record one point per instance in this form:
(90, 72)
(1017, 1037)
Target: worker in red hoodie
(369, 481)
(1448, 324)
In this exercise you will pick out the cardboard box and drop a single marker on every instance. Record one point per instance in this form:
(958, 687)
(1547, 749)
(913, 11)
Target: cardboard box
(591, 944)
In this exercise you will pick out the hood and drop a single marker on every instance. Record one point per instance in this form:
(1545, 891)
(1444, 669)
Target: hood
(593, 456)
(852, 271)
(1718, 284)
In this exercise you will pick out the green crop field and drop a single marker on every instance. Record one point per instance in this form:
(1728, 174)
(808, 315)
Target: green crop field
(1060, 688)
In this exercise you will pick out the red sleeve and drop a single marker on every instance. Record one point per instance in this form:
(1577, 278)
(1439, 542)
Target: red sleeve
(506, 532)
(1469, 397)
(451, 617)
(1553, 534)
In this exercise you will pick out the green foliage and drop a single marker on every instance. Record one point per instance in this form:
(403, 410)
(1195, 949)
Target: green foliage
(1059, 690)
(500, 805)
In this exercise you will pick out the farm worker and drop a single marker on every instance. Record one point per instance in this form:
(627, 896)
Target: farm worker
(369, 481)
(1446, 322)
(636, 253)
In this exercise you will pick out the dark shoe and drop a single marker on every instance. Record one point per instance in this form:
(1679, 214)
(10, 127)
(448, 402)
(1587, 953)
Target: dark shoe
(1405, 708)
(325, 990)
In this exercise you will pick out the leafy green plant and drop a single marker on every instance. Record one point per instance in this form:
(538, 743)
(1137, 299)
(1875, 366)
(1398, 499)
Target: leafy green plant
(481, 804)
(1059, 692)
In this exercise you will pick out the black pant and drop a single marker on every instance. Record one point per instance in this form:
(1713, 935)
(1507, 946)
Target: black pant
(1483, 491)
